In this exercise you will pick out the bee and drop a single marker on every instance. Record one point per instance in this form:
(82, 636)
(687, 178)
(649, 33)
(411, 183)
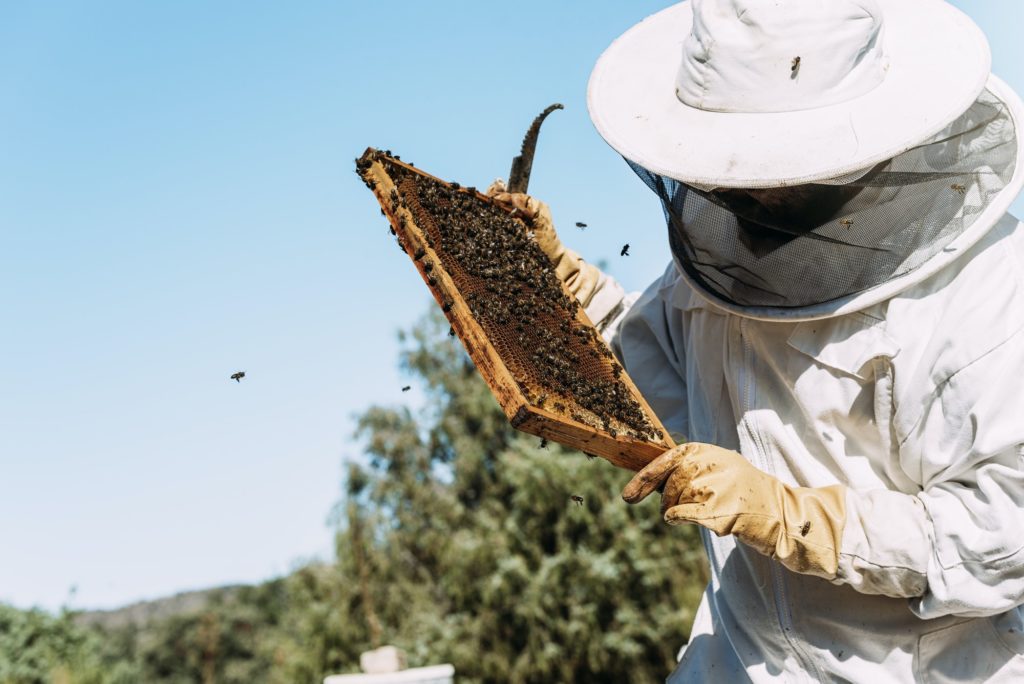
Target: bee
(543, 443)
(578, 500)
(958, 188)
(237, 377)
(805, 528)
(625, 250)
(451, 332)
(581, 225)
(846, 223)
(407, 388)
(794, 67)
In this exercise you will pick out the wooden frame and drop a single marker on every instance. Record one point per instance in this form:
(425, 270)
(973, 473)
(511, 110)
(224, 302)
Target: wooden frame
(620, 449)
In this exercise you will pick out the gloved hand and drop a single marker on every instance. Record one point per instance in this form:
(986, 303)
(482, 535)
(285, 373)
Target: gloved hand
(801, 527)
(582, 279)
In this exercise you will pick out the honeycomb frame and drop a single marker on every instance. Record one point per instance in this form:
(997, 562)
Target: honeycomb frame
(560, 419)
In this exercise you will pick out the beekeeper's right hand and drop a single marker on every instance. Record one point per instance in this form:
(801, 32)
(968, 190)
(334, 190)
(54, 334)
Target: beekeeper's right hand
(583, 280)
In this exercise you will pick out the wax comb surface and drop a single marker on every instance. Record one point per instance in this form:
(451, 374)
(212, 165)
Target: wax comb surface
(534, 346)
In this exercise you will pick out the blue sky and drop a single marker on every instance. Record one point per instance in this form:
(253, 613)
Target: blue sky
(177, 203)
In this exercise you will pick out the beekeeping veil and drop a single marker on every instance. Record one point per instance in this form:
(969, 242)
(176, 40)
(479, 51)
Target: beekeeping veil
(813, 157)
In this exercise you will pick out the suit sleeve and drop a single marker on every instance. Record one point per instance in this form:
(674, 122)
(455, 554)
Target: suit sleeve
(957, 546)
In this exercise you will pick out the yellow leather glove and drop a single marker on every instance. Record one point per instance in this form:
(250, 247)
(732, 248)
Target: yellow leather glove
(582, 279)
(801, 527)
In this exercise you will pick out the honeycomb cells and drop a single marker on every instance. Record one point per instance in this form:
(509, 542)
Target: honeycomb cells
(559, 363)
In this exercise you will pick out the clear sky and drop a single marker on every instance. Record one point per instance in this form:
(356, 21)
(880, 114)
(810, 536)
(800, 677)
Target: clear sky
(177, 203)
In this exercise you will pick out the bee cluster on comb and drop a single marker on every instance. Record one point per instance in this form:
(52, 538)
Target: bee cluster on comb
(542, 358)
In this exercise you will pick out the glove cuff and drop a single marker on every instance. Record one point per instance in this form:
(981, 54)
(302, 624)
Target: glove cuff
(811, 532)
(885, 545)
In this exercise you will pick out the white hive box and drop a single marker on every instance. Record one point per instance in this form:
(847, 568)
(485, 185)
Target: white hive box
(436, 674)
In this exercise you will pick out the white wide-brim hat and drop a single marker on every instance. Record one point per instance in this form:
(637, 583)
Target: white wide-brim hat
(769, 93)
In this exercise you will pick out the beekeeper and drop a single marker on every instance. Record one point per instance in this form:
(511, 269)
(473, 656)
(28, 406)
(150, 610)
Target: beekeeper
(840, 335)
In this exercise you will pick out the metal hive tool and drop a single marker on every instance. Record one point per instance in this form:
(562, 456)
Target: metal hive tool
(530, 340)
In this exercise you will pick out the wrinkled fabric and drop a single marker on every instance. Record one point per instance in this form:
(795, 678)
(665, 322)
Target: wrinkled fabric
(915, 406)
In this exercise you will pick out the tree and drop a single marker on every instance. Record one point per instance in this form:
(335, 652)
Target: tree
(38, 648)
(480, 557)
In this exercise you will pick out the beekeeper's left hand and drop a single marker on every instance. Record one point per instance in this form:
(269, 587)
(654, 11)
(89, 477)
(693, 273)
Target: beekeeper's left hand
(801, 527)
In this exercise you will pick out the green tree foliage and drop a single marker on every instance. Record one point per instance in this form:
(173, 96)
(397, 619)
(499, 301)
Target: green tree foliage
(37, 648)
(457, 541)
(488, 564)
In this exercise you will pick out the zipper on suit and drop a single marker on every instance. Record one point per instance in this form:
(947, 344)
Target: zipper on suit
(783, 613)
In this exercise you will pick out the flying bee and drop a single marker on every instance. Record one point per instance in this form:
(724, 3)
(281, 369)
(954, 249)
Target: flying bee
(237, 377)
(407, 388)
(794, 66)
(958, 188)
(625, 250)
(578, 500)
(581, 225)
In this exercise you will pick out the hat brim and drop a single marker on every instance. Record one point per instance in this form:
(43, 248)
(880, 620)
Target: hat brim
(939, 62)
(984, 223)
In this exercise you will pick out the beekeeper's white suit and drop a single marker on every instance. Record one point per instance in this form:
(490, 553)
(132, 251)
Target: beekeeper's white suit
(914, 404)
(867, 366)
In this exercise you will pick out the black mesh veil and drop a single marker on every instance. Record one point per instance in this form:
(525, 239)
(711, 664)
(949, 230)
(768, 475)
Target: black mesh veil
(810, 244)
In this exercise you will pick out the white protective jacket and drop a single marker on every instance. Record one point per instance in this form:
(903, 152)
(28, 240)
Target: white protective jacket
(917, 406)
